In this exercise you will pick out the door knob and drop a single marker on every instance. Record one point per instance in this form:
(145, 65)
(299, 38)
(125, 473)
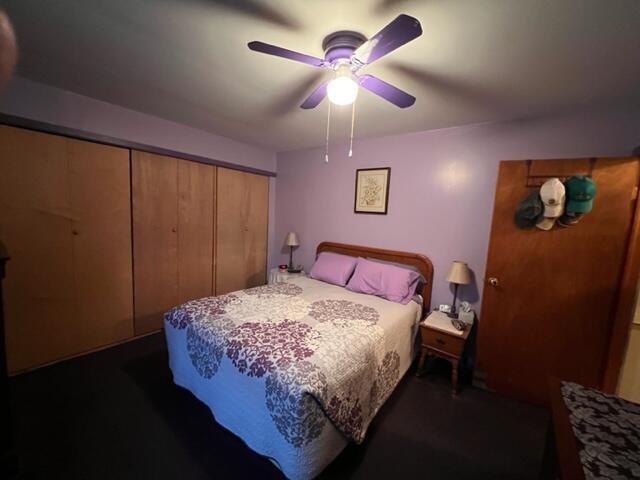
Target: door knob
(493, 281)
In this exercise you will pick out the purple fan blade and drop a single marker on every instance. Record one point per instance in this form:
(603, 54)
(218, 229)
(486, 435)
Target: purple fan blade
(316, 97)
(283, 52)
(400, 31)
(387, 91)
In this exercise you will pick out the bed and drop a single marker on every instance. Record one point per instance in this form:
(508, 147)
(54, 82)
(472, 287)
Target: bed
(298, 369)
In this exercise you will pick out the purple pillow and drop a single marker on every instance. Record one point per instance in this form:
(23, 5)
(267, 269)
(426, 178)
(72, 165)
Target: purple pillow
(383, 280)
(333, 268)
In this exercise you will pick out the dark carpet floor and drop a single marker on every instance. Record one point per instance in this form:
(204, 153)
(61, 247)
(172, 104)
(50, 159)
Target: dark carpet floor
(116, 414)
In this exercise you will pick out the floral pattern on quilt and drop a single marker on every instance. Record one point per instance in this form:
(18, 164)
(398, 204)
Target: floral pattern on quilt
(275, 289)
(327, 310)
(364, 340)
(206, 344)
(269, 308)
(387, 378)
(296, 413)
(180, 317)
(319, 358)
(258, 348)
(346, 411)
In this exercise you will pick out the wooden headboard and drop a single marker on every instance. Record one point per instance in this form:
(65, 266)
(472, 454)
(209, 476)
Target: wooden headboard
(416, 260)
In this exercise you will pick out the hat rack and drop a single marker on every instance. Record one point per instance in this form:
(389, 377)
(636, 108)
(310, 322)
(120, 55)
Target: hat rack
(536, 181)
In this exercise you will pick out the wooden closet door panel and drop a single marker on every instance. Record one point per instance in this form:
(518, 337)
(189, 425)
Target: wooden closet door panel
(35, 226)
(214, 242)
(257, 222)
(101, 211)
(241, 233)
(155, 241)
(195, 230)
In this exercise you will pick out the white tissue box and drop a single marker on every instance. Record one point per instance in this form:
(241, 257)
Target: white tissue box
(467, 317)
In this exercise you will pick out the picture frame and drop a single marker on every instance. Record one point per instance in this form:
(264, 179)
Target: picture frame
(372, 190)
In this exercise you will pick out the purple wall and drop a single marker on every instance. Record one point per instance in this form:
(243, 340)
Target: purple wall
(442, 187)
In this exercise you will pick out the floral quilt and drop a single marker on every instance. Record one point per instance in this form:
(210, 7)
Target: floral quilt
(319, 352)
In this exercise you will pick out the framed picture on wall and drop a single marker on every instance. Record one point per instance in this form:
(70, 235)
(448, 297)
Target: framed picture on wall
(372, 190)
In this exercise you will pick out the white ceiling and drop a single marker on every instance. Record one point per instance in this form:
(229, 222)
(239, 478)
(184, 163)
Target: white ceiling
(187, 60)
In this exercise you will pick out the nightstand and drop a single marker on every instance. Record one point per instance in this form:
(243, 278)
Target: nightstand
(276, 275)
(440, 339)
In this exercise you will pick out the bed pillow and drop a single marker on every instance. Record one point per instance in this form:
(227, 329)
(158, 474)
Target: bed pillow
(404, 266)
(383, 280)
(421, 281)
(333, 268)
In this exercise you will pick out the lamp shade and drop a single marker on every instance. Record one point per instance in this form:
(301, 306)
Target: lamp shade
(292, 239)
(459, 273)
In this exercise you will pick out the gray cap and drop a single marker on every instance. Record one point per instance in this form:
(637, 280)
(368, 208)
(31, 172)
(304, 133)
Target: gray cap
(529, 210)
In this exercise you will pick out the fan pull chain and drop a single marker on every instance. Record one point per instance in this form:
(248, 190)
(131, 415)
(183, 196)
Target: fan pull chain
(326, 151)
(353, 121)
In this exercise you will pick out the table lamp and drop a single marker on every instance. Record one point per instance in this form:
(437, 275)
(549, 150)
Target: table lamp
(291, 241)
(459, 274)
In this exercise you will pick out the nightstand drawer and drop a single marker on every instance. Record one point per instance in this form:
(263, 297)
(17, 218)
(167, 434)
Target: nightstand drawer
(442, 341)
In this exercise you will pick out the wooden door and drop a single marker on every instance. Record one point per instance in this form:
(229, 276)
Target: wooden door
(65, 219)
(241, 232)
(100, 199)
(552, 309)
(35, 226)
(196, 184)
(154, 180)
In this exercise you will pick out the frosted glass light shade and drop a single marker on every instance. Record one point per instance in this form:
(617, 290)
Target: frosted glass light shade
(459, 273)
(343, 89)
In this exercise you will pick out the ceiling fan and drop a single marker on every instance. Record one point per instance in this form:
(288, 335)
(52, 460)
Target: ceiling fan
(346, 52)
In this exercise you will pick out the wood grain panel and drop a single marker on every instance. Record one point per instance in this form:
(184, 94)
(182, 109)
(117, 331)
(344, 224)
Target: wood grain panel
(552, 312)
(214, 249)
(241, 232)
(101, 233)
(35, 226)
(154, 181)
(195, 230)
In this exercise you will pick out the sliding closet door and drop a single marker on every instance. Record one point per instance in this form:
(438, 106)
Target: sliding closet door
(155, 238)
(241, 233)
(101, 234)
(64, 218)
(196, 184)
(35, 226)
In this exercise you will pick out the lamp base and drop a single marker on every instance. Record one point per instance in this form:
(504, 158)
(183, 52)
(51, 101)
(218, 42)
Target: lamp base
(453, 313)
(290, 257)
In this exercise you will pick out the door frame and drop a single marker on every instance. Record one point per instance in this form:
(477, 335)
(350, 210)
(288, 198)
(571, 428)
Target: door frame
(625, 305)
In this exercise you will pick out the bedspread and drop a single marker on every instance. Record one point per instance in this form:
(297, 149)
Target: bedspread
(319, 354)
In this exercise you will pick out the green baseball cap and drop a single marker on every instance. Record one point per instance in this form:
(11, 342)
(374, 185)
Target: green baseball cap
(529, 210)
(580, 191)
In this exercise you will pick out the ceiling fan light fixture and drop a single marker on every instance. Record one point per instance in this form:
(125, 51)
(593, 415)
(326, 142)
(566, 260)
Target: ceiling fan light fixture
(343, 89)
(345, 52)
